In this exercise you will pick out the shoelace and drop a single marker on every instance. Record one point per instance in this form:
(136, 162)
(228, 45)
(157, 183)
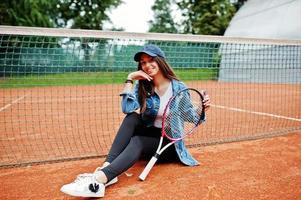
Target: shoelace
(83, 178)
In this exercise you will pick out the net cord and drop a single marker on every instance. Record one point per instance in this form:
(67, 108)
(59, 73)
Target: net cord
(64, 32)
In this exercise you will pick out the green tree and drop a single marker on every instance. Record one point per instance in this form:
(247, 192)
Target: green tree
(21, 13)
(238, 3)
(163, 21)
(206, 17)
(26, 13)
(84, 14)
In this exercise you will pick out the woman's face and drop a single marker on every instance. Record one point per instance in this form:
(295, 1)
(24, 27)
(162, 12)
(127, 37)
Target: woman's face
(149, 65)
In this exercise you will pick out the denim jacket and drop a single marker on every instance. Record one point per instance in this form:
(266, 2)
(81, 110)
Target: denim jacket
(130, 103)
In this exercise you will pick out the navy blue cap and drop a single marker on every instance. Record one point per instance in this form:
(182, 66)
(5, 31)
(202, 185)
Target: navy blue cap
(151, 50)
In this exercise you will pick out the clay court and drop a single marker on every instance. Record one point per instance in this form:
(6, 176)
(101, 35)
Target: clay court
(249, 147)
(258, 169)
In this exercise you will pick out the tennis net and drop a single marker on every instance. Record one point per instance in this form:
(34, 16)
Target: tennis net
(59, 88)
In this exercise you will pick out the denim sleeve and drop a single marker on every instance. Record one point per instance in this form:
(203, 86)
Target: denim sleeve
(184, 155)
(129, 102)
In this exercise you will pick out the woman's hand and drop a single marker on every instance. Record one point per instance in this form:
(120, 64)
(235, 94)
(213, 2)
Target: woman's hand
(139, 75)
(206, 101)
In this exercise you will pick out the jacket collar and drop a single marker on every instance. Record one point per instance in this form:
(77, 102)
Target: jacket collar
(175, 85)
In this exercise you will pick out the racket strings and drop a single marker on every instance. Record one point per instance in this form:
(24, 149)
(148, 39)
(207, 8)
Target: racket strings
(184, 113)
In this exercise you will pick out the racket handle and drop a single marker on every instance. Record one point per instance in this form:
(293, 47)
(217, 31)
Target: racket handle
(147, 169)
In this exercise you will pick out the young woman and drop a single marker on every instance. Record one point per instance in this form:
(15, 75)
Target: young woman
(140, 130)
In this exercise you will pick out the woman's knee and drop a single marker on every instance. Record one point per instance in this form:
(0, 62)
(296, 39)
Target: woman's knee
(132, 115)
(136, 142)
(132, 118)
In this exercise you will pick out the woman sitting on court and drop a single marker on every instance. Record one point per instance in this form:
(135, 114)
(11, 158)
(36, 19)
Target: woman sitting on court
(140, 131)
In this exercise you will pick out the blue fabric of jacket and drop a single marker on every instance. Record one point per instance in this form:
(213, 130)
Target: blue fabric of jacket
(130, 104)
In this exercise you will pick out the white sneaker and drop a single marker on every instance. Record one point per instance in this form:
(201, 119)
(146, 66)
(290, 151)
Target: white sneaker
(111, 182)
(85, 185)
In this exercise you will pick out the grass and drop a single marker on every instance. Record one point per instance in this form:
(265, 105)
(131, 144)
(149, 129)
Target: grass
(94, 78)
(197, 74)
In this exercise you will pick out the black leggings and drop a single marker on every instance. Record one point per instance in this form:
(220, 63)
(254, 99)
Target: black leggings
(133, 140)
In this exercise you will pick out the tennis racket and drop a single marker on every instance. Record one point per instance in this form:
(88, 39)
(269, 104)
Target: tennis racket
(183, 113)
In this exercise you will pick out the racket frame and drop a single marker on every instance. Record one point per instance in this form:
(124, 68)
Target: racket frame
(166, 111)
(159, 151)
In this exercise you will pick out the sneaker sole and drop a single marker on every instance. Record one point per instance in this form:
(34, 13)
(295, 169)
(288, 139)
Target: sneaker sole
(78, 194)
(113, 181)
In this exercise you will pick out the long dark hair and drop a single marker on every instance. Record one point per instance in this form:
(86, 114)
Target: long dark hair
(146, 88)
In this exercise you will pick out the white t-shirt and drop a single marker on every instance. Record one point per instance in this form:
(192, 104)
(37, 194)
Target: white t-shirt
(163, 102)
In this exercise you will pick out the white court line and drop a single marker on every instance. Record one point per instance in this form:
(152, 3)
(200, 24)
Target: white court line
(13, 102)
(257, 113)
